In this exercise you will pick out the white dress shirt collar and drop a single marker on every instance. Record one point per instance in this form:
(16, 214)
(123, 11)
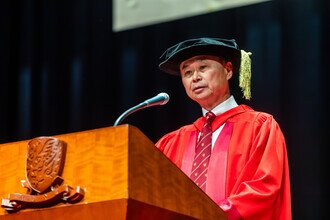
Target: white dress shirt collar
(223, 106)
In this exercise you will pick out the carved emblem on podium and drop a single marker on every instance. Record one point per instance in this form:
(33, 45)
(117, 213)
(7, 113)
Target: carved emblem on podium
(44, 184)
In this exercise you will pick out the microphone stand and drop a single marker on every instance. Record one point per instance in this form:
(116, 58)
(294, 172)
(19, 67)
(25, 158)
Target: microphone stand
(160, 99)
(128, 112)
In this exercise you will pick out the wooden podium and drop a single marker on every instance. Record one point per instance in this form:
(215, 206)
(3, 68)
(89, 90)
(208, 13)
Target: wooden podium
(124, 177)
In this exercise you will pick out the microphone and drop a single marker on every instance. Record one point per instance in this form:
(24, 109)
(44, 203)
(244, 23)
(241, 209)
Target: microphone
(160, 99)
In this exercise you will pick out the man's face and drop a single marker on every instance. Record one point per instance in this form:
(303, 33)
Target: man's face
(205, 79)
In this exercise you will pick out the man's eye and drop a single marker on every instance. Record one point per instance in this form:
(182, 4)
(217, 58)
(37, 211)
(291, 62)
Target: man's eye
(187, 73)
(203, 67)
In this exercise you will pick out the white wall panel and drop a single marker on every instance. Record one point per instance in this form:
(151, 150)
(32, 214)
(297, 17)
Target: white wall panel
(129, 14)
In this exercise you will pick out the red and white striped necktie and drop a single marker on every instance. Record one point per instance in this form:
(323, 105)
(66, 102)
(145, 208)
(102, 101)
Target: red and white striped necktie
(203, 153)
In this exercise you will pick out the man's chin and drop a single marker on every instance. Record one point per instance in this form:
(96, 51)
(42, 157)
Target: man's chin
(201, 98)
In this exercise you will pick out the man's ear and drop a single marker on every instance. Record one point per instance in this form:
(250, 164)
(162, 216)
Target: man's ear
(229, 68)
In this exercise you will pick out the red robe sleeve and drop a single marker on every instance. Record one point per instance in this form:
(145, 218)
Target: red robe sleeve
(258, 185)
(174, 143)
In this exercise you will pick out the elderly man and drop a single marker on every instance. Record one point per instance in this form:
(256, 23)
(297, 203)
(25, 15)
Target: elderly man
(234, 153)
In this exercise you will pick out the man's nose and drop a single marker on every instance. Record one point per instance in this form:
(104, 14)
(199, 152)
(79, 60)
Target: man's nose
(196, 75)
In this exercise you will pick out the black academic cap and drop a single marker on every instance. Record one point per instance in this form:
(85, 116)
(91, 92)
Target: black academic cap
(224, 48)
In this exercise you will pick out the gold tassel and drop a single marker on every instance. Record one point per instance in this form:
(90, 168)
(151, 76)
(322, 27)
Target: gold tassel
(245, 74)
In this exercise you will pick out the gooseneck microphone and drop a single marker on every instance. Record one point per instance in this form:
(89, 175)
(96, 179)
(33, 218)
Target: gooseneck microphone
(160, 99)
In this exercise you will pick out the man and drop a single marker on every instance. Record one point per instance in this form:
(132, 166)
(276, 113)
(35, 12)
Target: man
(239, 157)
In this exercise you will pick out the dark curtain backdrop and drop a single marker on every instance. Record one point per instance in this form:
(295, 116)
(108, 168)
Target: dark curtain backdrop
(62, 69)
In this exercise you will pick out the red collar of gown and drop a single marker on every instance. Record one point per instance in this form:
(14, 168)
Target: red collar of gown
(222, 118)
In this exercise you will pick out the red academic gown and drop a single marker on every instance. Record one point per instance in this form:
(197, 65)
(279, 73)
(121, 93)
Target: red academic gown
(256, 182)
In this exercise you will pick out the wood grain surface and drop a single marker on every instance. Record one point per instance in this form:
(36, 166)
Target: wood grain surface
(121, 172)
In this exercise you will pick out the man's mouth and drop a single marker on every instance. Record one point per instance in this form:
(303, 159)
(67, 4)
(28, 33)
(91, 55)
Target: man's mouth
(198, 88)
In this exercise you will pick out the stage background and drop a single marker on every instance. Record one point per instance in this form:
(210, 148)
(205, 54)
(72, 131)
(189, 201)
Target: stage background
(63, 69)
